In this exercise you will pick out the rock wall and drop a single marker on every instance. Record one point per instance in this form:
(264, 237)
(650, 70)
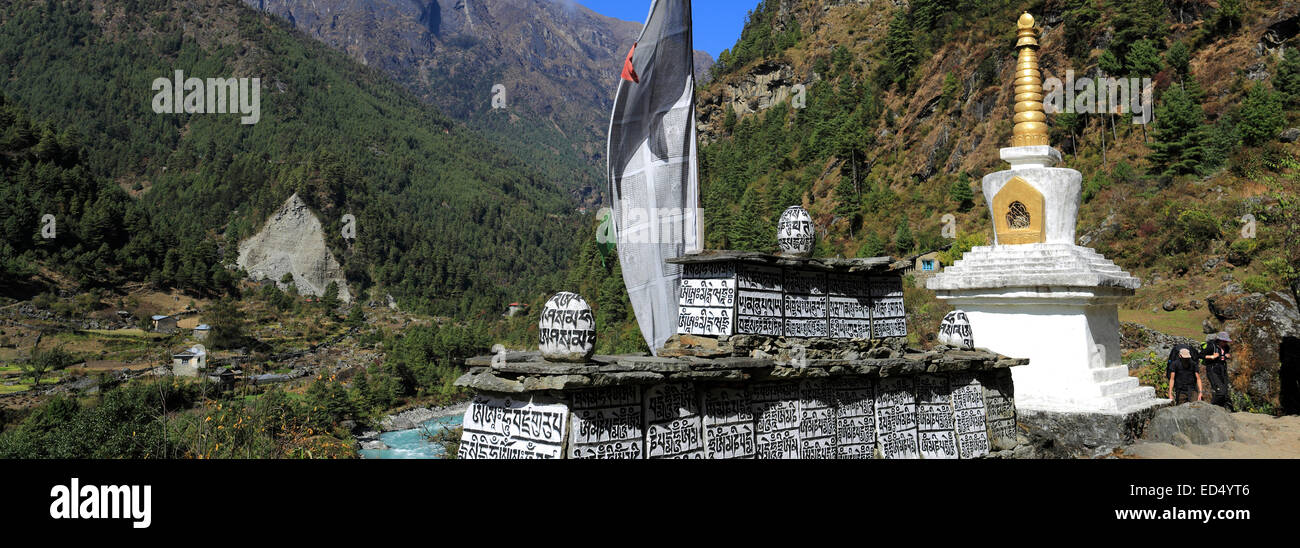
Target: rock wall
(293, 242)
(1265, 329)
(956, 405)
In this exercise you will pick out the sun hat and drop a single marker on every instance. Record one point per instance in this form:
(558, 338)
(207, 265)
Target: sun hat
(1223, 336)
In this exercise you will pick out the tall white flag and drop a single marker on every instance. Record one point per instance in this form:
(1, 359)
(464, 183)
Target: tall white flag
(652, 167)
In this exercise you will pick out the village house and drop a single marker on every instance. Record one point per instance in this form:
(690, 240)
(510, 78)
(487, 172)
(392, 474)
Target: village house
(225, 378)
(515, 309)
(164, 324)
(190, 362)
(927, 265)
(201, 332)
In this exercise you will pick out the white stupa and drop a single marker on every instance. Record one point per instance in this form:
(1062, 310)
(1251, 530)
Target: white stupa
(1034, 293)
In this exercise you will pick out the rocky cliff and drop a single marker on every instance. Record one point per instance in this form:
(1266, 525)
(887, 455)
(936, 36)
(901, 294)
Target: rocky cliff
(293, 242)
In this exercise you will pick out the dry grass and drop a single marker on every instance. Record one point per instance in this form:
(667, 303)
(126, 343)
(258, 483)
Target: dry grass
(1180, 323)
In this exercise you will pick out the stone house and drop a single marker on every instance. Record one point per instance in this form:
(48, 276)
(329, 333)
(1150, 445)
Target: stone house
(164, 324)
(190, 362)
(927, 265)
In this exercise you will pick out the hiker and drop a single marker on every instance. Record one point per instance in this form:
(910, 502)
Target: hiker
(1214, 354)
(1184, 379)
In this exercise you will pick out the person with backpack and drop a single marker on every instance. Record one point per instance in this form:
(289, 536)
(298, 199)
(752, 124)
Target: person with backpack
(1184, 378)
(1215, 354)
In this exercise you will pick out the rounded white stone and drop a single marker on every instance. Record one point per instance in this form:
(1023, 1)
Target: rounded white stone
(955, 331)
(794, 232)
(567, 330)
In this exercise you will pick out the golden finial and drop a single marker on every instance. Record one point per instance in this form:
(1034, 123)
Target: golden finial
(1031, 121)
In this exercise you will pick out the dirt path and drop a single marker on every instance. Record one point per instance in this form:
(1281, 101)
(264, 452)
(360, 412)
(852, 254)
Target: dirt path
(1258, 437)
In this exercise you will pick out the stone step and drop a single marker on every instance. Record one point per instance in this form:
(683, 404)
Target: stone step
(1034, 248)
(996, 277)
(1142, 396)
(1118, 386)
(1001, 259)
(1035, 268)
(1116, 373)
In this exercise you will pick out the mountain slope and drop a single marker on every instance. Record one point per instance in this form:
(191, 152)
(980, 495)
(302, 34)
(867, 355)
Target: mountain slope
(446, 220)
(906, 108)
(557, 60)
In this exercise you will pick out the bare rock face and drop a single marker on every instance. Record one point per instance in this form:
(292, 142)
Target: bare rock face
(1266, 350)
(293, 242)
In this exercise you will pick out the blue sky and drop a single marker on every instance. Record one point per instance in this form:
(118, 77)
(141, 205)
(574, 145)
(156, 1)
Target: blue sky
(717, 22)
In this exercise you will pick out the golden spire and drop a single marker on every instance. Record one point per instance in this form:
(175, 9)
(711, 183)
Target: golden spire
(1031, 121)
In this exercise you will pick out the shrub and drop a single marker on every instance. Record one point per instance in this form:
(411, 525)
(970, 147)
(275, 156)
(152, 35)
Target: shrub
(1243, 403)
(1257, 284)
(1191, 230)
(1242, 251)
(1153, 372)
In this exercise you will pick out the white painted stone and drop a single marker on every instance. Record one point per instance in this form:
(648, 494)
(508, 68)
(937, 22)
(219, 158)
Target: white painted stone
(1029, 157)
(513, 428)
(795, 232)
(955, 331)
(567, 329)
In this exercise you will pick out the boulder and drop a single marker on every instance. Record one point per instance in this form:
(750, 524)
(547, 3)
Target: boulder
(1170, 306)
(1198, 423)
(1266, 335)
(375, 445)
(1290, 135)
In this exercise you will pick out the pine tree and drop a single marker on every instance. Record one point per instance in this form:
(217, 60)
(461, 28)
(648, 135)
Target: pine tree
(1143, 59)
(900, 50)
(848, 203)
(330, 300)
(872, 246)
(1181, 136)
(1179, 59)
(1261, 116)
(903, 240)
(1109, 63)
(961, 192)
(1137, 20)
(227, 322)
(1287, 80)
(1083, 19)
(1228, 18)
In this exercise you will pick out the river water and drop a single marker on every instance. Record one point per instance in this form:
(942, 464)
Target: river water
(409, 444)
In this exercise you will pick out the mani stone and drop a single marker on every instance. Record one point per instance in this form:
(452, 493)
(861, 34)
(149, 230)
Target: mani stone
(794, 232)
(567, 330)
(955, 331)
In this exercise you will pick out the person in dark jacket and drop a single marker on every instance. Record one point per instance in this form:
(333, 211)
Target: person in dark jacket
(1215, 354)
(1184, 378)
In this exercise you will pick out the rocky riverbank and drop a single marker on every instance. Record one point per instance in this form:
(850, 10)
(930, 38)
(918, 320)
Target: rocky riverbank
(409, 419)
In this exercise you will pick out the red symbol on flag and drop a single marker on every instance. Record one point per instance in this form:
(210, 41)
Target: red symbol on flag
(629, 72)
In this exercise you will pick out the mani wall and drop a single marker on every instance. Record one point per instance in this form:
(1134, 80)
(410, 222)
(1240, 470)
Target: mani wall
(934, 405)
(735, 293)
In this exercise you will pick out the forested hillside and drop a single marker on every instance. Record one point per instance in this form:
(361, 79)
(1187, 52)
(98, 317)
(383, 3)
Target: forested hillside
(447, 221)
(907, 106)
(557, 63)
